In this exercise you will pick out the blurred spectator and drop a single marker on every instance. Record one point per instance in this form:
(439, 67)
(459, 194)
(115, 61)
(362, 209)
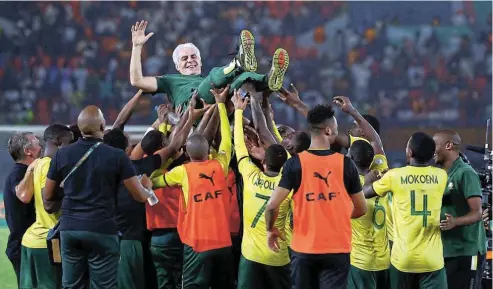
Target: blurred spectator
(427, 62)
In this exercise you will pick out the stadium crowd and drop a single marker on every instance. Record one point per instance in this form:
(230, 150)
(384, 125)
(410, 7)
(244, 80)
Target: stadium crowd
(213, 198)
(429, 66)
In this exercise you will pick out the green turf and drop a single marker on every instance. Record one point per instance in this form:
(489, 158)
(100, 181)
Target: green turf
(7, 275)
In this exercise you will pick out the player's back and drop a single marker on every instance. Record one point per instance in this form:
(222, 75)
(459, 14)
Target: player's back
(258, 188)
(417, 200)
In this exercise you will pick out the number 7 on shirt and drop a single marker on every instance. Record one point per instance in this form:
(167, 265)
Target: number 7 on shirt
(262, 209)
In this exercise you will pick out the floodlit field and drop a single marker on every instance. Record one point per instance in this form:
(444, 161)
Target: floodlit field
(7, 275)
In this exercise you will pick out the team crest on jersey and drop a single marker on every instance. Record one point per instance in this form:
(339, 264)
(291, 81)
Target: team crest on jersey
(450, 186)
(378, 161)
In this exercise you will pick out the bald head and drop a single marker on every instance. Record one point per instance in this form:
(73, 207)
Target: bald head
(447, 147)
(197, 147)
(450, 137)
(91, 121)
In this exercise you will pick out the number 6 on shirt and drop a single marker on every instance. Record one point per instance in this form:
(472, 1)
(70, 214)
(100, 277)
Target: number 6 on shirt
(262, 209)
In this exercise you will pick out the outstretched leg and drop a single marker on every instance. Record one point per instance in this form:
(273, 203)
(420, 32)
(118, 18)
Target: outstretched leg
(244, 61)
(272, 80)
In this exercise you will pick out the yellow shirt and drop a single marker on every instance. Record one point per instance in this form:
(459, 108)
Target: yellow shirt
(35, 236)
(257, 189)
(417, 201)
(371, 251)
(380, 163)
(178, 175)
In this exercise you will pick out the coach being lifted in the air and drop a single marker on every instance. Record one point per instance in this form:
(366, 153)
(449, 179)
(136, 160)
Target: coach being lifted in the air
(179, 87)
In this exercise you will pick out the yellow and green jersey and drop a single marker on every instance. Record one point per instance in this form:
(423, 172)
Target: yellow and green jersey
(370, 245)
(417, 200)
(178, 175)
(380, 163)
(257, 189)
(35, 236)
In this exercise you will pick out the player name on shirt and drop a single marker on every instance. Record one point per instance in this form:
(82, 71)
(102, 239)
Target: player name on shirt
(419, 179)
(265, 184)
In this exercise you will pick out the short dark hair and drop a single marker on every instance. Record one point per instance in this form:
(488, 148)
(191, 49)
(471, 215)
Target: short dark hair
(275, 157)
(422, 147)
(116, 138)
(301, 141)
(373, 121)
(362, 154)
(319, 114)
(283, 130)
(152, 142)
(76, 131)
(56, 131)
(17, 143)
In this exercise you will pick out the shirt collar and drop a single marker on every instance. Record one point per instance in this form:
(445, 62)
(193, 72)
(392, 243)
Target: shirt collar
(457, 163)
(20, 165)
(89, 140)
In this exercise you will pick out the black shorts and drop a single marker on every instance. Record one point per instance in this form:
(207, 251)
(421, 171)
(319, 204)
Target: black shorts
(465, 271)
(319, 271)
(253, 275)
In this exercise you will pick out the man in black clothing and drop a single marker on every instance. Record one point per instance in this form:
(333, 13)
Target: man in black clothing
(24, 149)
(130, 214)
(88, 232)
(130, 217)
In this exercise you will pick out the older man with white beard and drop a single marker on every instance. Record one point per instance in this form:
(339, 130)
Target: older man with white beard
(187, 59)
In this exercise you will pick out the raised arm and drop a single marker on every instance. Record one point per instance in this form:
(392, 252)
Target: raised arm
(292, 99)
(269, 115)
(259, 120)
(127, 111)
(180, 137)
(206, 119)
(181, 123)
(345, 104)
(137, 152)
(148, 84)
(225, 148)
(239, 137)
(212, 127)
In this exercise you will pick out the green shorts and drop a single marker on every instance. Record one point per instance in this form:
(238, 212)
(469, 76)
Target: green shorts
(37, 271)
(362, 279)
(210, 269)
(131, 265)
(167, 255)
(429, 280)
(253, 275)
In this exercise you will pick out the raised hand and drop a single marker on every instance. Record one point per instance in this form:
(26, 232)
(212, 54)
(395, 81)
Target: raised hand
(220, 94)
(251, 134)
(196, 113)
(254, 150)
(344, 103)
(179, 110)
(138, 33)
(162, 112)
(239, 102)
(291, 98)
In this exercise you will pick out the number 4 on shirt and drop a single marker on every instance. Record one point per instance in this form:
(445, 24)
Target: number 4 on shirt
(425, 213)
(262, 209)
